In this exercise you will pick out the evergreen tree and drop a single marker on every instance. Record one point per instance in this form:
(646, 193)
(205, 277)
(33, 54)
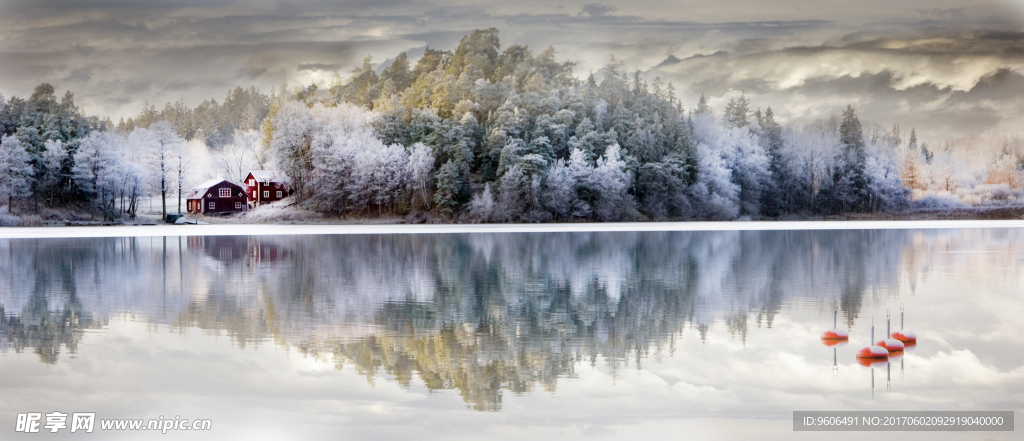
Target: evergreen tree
(854, 194)
(702, 106)
(15, 170)
(397, 76)
(772, 141)
(738, 111)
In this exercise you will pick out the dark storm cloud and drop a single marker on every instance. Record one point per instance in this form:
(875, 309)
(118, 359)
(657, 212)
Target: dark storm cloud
(805, 58)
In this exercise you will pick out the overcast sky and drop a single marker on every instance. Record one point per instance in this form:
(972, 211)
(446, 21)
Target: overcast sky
(949, 67)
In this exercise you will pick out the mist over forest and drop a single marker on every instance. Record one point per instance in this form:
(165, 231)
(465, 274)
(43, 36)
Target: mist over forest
(492, 133)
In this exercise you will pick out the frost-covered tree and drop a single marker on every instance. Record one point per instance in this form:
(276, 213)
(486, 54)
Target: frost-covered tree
(567, 187)
(163, 146)
(421, 167)
(451, 185)
(520, 193)
(702, 106)
(293, 130)
(661, 188)
(772, 143)
(53, 159)
(884, 185)
(482, 206)
(302, 134)
(714, 193)
(99, 169)
(15, 170)
(380, 174)
(240, 156)
(742, 155)
(851, 185)
(182, 167)
(737, 112)
(610, 181)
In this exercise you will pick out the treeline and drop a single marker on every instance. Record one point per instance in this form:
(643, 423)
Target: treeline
(480, 133)
(215, 124)
(517, 137)
(38, 138)
(51, 153)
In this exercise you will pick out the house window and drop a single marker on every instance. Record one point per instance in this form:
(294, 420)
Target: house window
(254, 194)
(238, 205)
(225, 192)
(211, 205)
(279, 194)
(266, 194)
(252, 182)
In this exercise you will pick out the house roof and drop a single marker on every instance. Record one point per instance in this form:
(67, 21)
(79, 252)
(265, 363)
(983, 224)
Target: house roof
(269, 176)
(197, 191)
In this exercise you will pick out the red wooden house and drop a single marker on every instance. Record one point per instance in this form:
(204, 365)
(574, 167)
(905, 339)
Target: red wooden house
(265, 186)
(216, 197)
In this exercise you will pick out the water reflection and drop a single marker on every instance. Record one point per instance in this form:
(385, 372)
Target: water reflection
(480, 313)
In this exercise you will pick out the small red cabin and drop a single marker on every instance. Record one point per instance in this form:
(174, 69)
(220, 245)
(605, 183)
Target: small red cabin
(265, 186)
(216, 197)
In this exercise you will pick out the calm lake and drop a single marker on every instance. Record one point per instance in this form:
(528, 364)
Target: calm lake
(644, 335)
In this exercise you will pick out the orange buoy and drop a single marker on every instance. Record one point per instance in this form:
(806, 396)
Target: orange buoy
(870, 353)
(891, 345)
(835, 336)
(904, 336)
(874, 352)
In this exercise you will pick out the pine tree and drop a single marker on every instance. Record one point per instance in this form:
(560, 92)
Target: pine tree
(15, 170)
(772, 140)
(702, 106)
(851, 135)
(738, 111)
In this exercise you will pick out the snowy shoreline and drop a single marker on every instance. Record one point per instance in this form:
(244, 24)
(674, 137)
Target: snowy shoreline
(263, 230)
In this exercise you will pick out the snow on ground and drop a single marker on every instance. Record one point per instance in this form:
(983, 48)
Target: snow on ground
(282, 211)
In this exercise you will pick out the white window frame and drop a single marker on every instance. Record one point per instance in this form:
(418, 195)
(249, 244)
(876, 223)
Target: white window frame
(279, 194)
(211, 206)
(252, 182)
(238, 205)
(224, 192)
(266, 193)
(254, 194)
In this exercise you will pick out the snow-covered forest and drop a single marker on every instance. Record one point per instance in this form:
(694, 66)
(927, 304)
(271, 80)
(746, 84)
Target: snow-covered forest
(491, 134)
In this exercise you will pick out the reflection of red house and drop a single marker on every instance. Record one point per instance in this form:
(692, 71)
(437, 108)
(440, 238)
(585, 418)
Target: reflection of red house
(265, 186)
(223, 248)
(216, 197)
(264, 251)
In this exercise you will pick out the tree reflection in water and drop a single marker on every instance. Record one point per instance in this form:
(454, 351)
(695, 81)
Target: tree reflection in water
(481, 313)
